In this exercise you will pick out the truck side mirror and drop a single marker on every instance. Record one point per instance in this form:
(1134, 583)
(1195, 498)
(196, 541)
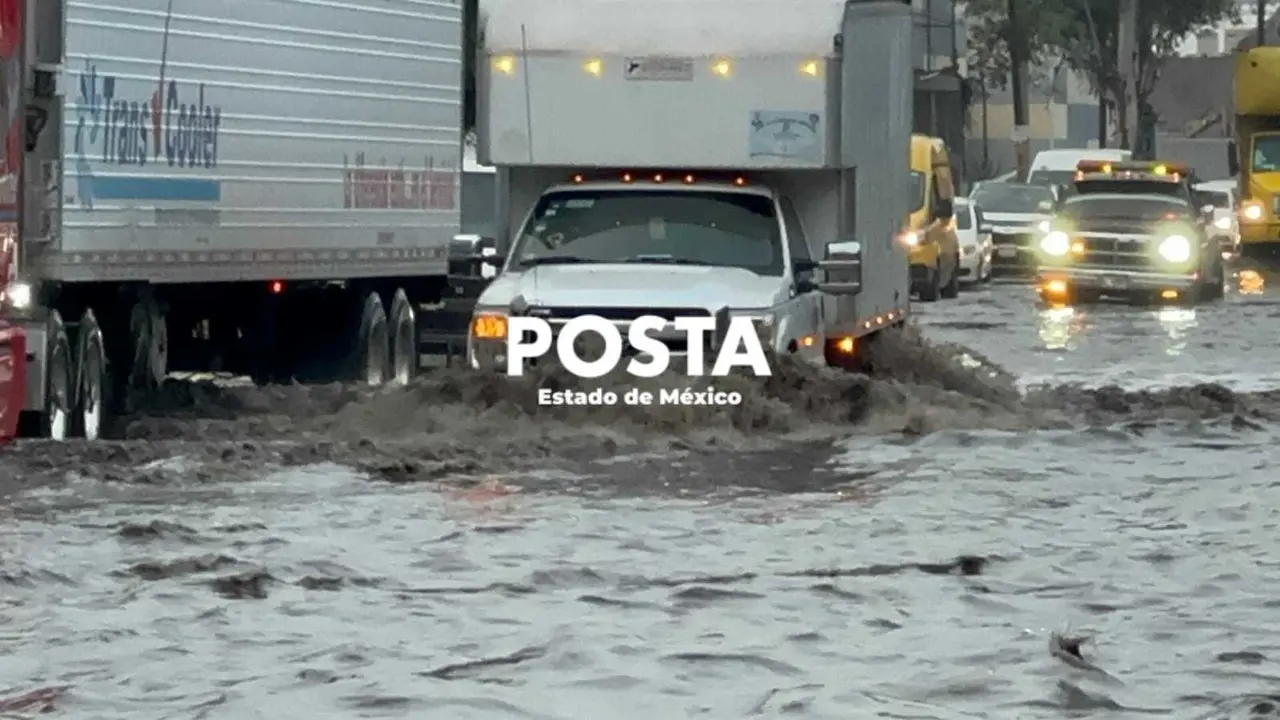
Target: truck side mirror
(1233, 158)
(474, 255)
(843, 268)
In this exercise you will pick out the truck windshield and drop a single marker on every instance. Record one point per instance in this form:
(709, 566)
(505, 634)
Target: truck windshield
(729, 229)
(1266, 153)
(1214, 198)
(1013, 198)
(917, 190)
(1127, 207)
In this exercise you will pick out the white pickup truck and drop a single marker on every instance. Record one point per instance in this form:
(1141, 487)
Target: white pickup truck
(695, 156)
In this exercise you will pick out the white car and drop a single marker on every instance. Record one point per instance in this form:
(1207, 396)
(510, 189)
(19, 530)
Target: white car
(976, 245)
(1221, 194)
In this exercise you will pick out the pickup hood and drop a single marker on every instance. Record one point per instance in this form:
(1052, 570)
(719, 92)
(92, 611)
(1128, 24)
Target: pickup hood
(1002, 222)
(631, 285)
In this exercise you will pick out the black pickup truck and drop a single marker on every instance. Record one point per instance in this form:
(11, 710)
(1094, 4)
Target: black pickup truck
(1131, 231)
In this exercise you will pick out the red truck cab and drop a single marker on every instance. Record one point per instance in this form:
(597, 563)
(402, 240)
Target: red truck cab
(13, 346)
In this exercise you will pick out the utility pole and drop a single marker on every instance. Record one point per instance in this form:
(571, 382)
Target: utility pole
(1127, 64)
(1262, 22)
(1016, 40)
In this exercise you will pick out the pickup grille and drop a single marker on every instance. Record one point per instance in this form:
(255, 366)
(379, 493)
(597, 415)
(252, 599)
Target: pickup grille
(1020, 240)
(1127, 253)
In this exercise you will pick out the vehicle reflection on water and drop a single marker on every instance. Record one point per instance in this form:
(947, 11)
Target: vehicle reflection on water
(1177, 324)
(1250, 282)
(1059, 327)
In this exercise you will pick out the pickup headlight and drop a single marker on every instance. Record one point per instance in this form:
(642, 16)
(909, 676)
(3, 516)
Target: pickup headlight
(1175, 249)
(1056, 243)
(1044, 226)
(1222, 223)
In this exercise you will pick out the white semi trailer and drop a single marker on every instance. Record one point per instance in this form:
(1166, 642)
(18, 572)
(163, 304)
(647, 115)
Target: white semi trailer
(696, 156)
(265, 188)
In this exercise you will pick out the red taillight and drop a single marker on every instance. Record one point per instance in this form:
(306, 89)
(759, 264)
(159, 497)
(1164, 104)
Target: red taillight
(277, 287)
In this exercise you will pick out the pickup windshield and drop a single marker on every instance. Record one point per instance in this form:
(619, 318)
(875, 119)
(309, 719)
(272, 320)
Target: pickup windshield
(678, 227)
(1128, 207)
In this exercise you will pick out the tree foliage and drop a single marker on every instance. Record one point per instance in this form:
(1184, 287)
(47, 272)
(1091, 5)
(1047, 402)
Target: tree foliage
(1082, 33)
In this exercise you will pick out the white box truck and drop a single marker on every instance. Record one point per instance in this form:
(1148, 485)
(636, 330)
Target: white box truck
(265, 188)
(677, 157)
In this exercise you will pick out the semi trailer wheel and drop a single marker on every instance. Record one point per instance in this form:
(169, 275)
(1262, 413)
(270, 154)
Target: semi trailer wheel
(369, 356)
(149, 364)
(55, 421)
(91, 378)
(404, 340)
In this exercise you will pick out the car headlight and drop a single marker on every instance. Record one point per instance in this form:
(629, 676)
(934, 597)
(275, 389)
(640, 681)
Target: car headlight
(1175, 249)
(1056, 243)
(1222, 223)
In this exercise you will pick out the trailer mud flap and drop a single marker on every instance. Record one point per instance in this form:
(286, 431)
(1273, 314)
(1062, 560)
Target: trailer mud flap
(13, 379)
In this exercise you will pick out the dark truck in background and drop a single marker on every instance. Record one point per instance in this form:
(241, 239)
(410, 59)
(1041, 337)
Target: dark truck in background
(1130, 230)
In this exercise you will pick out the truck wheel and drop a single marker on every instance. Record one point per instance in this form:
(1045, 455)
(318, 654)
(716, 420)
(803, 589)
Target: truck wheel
(404, 339)
(1215, 285)
(951, 290)
(932, 287)
(369, 356)
(149, 334)
(91, 378)
(55, 421)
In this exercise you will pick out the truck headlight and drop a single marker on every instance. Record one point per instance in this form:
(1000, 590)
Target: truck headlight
(1175, 249)
(911, 239)
(1056, 244)
(18, 296)
(1252, 211)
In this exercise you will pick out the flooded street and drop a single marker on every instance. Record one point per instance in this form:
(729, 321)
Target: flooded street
(930, 544)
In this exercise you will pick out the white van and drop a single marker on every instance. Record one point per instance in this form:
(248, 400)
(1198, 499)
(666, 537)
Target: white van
(1058, 167)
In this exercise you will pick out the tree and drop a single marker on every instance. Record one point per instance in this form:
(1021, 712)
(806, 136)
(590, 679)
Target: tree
(1084, 34)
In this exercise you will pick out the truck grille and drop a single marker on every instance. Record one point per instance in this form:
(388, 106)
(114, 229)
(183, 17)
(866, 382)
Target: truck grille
(1128, 253)
(590, 347)
(616, 314)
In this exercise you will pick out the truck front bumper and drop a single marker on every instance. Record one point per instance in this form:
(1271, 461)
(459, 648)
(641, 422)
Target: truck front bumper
(1063, 281)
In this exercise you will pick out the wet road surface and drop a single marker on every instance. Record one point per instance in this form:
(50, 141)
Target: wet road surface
(316, 554)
